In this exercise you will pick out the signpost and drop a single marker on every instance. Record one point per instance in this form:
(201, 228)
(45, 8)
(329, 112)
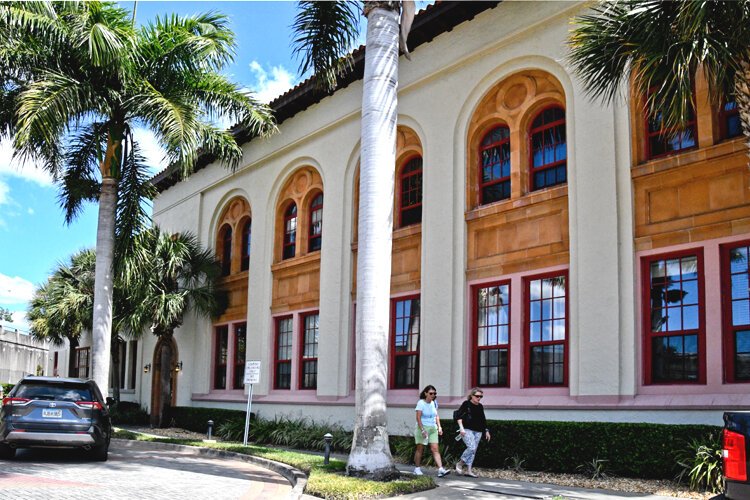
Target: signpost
(252, 376)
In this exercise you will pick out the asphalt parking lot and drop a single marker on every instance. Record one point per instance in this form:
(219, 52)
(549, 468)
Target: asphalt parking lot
(135, 473)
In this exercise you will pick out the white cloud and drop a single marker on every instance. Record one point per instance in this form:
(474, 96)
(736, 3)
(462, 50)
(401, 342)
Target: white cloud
(270, 84)
(15, 290)
(30, 211)
(150, 149)
(30, 171)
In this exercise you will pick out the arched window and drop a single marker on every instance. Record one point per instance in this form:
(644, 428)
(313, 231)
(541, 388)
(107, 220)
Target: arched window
(316, 223)
(494, 171)
(226, 250)
(290, 231)
(548, 149)
(410, 190)
(245, 263)
(729, 118)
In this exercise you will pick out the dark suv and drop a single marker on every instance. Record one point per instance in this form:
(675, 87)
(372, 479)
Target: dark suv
(55, 412)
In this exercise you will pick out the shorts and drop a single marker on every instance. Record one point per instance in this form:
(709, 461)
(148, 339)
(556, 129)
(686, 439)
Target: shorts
(432, 435)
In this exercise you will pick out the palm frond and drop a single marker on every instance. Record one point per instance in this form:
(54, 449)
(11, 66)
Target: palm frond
(135, 192)
(324, 33)
(661, 45)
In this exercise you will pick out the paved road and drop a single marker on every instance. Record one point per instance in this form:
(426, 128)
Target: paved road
(132, 473)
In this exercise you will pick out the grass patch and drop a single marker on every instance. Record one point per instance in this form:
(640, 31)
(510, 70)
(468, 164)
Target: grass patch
(325, 481)
(338, 486)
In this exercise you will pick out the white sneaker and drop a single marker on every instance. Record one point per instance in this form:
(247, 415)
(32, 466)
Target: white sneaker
(418, 471)
(442, 472)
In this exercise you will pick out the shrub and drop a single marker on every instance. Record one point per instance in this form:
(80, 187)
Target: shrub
(701, 463)
(7, 388)
(196, 419)
(126, 412)
(632, 450)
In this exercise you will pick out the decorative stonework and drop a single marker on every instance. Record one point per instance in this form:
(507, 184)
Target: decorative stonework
(296, 281)
(529, 230)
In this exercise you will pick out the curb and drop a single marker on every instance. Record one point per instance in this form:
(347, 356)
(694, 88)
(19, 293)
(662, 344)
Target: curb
(296, 477)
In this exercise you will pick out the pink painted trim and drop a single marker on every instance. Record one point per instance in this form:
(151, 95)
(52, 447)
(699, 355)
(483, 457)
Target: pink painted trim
(516, 340)
(714, 389)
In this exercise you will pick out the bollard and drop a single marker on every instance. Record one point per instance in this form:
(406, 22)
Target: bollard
(210, 428)
(328, 438)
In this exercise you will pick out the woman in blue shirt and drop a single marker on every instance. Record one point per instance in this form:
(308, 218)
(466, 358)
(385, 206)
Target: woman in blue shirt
(428, 430)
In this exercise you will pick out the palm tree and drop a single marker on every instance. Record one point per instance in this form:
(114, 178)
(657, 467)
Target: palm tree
(324, 33)
(167, 276)
(661, 45)
(61, 308)
(78, 77)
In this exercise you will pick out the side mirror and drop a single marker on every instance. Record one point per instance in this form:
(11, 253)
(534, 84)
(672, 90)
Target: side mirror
(110, 401)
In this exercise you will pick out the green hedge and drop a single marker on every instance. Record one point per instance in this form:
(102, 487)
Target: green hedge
(631, 450)
(7, 388)
(196, 419)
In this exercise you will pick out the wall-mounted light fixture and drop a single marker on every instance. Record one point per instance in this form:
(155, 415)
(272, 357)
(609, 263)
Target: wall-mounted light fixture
(147, 368)
(178, 366)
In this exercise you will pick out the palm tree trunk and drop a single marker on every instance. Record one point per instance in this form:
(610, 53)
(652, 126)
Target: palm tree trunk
(115, 372)
(73, 345)
(165, 382)
(742, 96)
(370, 455)
(103, 282)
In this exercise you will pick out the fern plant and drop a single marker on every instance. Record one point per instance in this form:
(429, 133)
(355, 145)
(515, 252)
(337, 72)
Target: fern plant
(700, 464)
(595, 469)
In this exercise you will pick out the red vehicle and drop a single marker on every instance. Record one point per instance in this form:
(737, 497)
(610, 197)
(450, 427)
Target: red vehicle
(736, 440)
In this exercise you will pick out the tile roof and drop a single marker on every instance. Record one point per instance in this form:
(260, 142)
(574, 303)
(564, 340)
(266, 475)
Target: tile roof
(436, 19)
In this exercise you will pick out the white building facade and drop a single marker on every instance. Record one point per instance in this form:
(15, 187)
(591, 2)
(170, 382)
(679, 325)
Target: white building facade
(552, 250)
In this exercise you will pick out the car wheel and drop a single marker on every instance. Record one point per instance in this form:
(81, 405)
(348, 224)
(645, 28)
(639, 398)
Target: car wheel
(6, 452)
(99, 453)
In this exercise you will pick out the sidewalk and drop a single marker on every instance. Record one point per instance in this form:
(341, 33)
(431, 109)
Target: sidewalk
(454, 486)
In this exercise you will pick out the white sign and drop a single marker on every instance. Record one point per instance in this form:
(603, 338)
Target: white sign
(252, 372)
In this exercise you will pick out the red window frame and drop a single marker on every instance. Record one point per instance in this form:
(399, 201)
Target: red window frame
(239, 341)
(477, 348)
(724, 117)
(221, 356)
(729, 301)
(529, 321)
(278, 361)
(83, 357)
(700, 331)
(499, 145)
(406, 188)
(394, 354)
(290, 232)
(661, 134)
(307, 358)
(540, 129)
(246, 240)
(225, 238)
(315, 238)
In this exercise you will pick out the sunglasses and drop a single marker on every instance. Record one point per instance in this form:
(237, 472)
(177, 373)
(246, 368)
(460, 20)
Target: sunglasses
(478, 396)
(432, 393)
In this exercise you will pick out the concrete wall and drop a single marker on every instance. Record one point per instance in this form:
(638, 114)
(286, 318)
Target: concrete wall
(21, 355)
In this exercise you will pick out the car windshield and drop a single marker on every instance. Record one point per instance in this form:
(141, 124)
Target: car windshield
(54, 392)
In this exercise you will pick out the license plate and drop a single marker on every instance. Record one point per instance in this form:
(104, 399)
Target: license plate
(46, 413)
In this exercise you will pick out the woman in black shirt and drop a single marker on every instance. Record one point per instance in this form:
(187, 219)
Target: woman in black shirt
(471, 424)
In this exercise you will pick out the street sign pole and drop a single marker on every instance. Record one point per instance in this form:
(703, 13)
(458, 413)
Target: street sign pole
(252, 376)
(247, 415)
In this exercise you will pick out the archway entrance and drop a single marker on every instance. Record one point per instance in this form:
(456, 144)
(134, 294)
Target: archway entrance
(163, 381)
